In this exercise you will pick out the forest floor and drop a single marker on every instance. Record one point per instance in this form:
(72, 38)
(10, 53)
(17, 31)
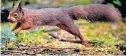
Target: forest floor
(103, 38)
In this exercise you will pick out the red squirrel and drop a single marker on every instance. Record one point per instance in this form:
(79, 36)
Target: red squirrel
(61, 17)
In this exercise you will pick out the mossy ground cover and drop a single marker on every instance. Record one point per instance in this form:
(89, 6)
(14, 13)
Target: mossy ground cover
(101, 36)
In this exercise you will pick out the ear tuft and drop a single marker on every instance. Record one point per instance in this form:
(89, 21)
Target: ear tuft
(13, 4)
(19, 6)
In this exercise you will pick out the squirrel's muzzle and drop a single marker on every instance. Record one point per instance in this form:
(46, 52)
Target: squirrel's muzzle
(11, 19)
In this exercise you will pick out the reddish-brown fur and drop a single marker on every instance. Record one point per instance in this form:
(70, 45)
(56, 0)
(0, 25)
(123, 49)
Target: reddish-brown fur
(96, 12)
(60, 17)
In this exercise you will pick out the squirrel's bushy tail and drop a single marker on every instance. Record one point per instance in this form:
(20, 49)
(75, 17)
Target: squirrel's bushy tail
(95, 12)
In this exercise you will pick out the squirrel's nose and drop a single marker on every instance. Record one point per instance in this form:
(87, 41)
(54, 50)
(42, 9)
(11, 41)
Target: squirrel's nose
(8, 18)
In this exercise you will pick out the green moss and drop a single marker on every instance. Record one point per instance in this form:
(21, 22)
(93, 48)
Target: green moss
(102, 37)
(83, 2)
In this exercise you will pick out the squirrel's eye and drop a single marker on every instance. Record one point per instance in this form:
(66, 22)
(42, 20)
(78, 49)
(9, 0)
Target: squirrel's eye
(15, 15)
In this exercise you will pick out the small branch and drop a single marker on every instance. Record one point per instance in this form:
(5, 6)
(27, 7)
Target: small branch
(65, 39)
(70, 40)
(54, 36)
(50, 28)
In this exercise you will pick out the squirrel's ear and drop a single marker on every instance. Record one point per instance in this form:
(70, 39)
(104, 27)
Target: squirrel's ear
(20, 7)
(13, 4)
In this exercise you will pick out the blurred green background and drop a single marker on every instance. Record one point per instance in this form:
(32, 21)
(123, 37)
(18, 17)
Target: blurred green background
(119, 4)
